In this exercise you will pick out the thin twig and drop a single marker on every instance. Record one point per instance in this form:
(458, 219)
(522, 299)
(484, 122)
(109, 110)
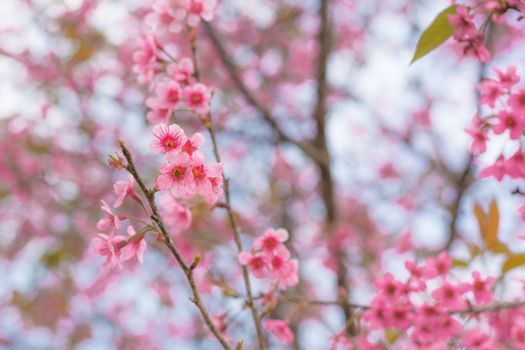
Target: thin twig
(188, 270)
(233, 223)
(307, 147)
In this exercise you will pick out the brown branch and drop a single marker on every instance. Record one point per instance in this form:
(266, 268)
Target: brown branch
(188, 270)
(462, 184)
(237, 237)
(491, 308)
(307, 147)
(231, 216)
(471, 310)
(324, 42)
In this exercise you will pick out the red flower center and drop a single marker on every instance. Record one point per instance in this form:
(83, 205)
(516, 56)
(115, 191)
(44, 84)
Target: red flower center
(178, 172)
(196, 98)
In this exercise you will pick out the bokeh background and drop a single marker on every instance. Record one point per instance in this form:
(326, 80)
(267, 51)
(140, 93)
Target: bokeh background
(395, 132)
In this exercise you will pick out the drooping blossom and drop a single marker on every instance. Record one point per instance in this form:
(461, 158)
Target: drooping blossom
(123, 189)
(479, 136)
(136, 246)
(110, 221)
(110, 247)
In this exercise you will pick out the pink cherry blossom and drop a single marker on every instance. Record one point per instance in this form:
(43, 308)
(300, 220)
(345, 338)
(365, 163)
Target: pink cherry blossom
(498, 169)
(197, 97)
(111, 221)
(124, 189)
(281, 330)
(157, 115)
(515, 165)
(450, 295)
(193, 143)
(482, 288)
(509, 78)
(464, 28)
(509, 121)
(177, 215)
(181, 71)
(145, 59)
(475, 339)
(165, 16)
(271, 240)
(517, 334)
(199, 175)
(517, 102)
(198, 9)
(479, 136)
(388, 287)
(175, 175)
(440, 265)
(110, 247)
(216, 180)
(289, 274)
(490, 90)
(256, 262)
(168, 95)
(136, 247)
(168, 138)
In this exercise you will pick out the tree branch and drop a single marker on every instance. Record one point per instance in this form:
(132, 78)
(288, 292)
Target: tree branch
(307, 147)
(233, 223)
(188, 270)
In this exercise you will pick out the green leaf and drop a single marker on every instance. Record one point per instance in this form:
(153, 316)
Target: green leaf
(459, 263)
(512, 262)
(436, 34)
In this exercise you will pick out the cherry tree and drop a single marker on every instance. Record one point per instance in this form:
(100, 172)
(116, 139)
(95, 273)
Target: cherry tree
(223, 174)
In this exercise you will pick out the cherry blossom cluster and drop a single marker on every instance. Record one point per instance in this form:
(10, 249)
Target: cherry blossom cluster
(185, 172)
(174, 90)
(172, 80)
(117, 248)
(268, 257)
(507, 104)
(467, 35)
(508, 116)
(172, 15)
(430, 315)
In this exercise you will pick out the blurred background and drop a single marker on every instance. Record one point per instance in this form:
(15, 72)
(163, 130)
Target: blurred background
(404, 179)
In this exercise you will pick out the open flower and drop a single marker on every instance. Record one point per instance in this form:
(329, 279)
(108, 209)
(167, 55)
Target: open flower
(167, 138)
(271, 240)
(256, 262)
(197, 97)
(175, 175)
(110, 247)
